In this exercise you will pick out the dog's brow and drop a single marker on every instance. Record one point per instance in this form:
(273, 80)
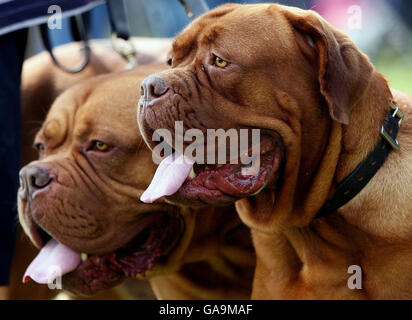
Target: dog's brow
(184, 44)
(210, 35)
(53, 132)
(83, 131)
(182, 47)
(180, 52)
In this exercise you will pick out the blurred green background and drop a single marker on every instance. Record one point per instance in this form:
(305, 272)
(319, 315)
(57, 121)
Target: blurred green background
(395, 69)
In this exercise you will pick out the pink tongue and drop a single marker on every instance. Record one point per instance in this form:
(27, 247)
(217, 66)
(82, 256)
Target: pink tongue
(54, 260)
(169, 177)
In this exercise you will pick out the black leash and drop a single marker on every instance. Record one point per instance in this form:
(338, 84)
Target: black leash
(349, 187)
(120, 32)
(79, 33)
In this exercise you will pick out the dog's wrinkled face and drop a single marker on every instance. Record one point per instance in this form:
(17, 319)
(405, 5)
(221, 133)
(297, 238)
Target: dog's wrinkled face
(282, 70)
(84, 189)
(231, 69)
(214, 82)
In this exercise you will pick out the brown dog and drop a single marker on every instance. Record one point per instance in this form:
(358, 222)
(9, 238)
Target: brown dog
(84, 193)
(320, 105)
(42, 82)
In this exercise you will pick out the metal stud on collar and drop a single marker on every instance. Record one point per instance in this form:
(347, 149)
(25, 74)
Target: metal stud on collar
(398, 114)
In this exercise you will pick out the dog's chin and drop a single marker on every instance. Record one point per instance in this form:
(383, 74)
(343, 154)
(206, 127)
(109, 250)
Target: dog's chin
(158, 236)
(224, 184)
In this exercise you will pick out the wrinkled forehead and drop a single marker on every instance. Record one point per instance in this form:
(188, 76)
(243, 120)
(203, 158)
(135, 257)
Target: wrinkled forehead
(234, 28)
(109, 109)
(60, 119)
(100, 109)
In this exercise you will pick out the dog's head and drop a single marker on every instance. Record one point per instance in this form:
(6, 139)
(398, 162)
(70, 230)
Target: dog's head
(282, 70)
(81, 195)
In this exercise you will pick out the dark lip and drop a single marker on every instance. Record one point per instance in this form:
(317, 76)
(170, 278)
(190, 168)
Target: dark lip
(202, 196)
(101, 272)
(219, 199)
(36, 234)
(222, 199)
(145, 129)
(147, 133)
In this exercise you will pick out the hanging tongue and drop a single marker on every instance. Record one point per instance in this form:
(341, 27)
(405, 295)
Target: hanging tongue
(169, 177)
(54, 259)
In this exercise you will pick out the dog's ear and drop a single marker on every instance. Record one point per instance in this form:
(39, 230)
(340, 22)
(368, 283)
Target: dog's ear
(343, 71)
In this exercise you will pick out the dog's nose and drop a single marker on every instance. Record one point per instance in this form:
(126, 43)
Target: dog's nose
(153, 87)
(33, 178)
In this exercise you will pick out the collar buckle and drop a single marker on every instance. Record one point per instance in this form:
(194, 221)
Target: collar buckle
(397, 114)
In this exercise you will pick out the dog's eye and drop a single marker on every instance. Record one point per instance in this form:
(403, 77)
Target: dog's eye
(219, 62)
(100, 146)
(170, 61)
(40, 147)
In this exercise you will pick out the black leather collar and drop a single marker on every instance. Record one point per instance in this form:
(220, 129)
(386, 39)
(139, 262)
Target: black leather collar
(354, 182)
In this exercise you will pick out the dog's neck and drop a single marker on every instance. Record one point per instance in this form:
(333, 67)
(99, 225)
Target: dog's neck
(369, 232)
(336, 152)
(318, 262)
